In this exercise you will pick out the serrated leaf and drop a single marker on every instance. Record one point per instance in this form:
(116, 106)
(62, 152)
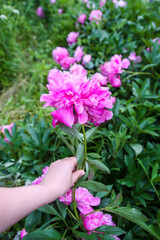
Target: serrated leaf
(94, 186)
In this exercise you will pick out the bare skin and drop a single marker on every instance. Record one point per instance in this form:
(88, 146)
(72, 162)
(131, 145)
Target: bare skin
(18, 202)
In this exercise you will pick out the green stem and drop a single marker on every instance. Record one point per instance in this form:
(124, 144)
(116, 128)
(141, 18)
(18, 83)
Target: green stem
(74, 202)
(149, 178)
(64, 233)
(85, 146)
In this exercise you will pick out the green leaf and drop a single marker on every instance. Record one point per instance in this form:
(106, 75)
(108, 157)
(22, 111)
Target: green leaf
(44, 234)
(148, 66)
(138, 148)
(99, 165)
(154, 171)
(32, 220)
(34, 135)
(90, 133)
(118, 201)
(46, 134)
(3, 143)
(14, 130)
(62, 208)
(94, 186)
(72, 131)
(50, 210)
(8, 135)
(94, 155)
(70, 147)
(135, 216)
(80, 155)
(110, 230)
(85, 235)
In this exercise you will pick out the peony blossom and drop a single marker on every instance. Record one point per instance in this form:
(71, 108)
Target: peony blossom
(87, 58)
(67, 62)
(53, 1)
(98, 77)
(72, 37)
(59, 53)
(39, 179)
(78, 54)
(77, 99)
(156, 40)
(114, 68)
(40, 12)
(113, 99)
(60, 11)
(95, 15)
(23, 233)
(102, 3)
(134, 58)
(78, 69)
(119, 3)
(82, 18)
(2, 130)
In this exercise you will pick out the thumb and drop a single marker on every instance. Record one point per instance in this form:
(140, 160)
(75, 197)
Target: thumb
(77, 174)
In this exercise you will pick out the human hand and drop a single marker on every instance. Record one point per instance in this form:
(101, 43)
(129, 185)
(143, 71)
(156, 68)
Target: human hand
(60, 177)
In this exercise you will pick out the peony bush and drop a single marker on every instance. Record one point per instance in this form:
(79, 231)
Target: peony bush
(102, 99)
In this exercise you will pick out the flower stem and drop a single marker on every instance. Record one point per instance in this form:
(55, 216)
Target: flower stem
(85, 146)
(74, 202)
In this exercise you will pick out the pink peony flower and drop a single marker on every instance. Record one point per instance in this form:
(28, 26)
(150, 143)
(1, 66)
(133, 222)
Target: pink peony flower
(60, 11)
(82, 18)
(78, 54)
(156, 40)
(119, 3)
(67, 198)
(77, 99)
(134, 58)
(59, 53)
(72, 37)
(78, 69)
(39, 179)
(114, 68)
(40, 12)
(98, 77)
(113, 99)
(23, 233)
(67, 62)
(53, 1)
(102, 3)
(87, 58)
(2, 130)
(95, 15)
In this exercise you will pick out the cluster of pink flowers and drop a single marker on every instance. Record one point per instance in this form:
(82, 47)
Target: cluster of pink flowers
(72, 37)
(157, 40)
(85, 200)
(82, 18)
(134, 58)
(40, 12)
(2, 130)
(102, 3)
(61, 56)
(77, 99)
(114, 68)
(119, 3)
(95, 15)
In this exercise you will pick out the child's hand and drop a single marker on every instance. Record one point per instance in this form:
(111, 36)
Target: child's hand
(60, 177)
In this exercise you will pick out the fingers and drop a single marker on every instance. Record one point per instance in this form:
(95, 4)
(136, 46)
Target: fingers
(76, 175)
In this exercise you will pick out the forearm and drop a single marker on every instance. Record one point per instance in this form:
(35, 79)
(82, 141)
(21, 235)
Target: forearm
(16, 203)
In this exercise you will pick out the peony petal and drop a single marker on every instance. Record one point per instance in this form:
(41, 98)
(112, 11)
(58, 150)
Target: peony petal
(83, 117)
(64, 116)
